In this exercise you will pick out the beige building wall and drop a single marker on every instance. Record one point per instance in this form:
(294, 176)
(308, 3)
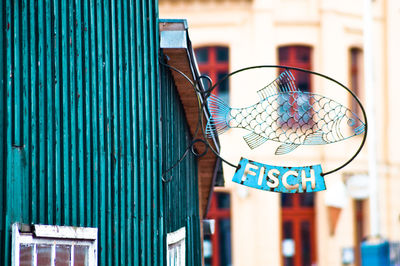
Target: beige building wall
(253, 30)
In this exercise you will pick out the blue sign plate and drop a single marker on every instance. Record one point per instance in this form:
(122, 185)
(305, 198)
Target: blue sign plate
(279, 178)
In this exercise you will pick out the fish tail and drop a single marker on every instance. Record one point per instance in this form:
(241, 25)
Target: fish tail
(219, 120)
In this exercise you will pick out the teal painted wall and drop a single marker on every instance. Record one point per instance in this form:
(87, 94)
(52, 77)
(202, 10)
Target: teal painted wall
(81, 141)
(181, 200)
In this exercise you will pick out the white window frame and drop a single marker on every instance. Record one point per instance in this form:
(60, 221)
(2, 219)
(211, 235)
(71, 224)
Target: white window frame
(55, 235)
(176, 244)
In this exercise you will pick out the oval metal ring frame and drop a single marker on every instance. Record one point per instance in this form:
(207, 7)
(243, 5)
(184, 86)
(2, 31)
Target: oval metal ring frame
(205, 93)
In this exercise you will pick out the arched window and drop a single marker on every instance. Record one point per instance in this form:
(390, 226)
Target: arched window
(217, 247)
(299, 104)
(213, 61)
(298, 214)
(355, 78)
(297, 56)
(356, 74)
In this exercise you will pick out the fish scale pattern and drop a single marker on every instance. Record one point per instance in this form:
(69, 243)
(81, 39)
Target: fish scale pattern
(290, 117)
(287, 115)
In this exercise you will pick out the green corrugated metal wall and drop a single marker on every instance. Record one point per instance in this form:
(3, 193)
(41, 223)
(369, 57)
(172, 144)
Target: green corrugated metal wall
(181, 200)
(80, 140)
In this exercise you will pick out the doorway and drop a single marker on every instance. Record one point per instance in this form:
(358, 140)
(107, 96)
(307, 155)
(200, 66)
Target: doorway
(298, 229)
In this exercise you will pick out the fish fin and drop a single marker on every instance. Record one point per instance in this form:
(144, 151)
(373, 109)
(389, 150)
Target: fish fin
(219, 120)
(286, 148)
(315, 138)
(254, 140)
(284, 83)
(360, 129)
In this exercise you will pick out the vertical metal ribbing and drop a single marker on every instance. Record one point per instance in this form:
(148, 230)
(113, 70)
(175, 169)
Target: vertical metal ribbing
(115, 171)
(43, 115)
(58, 139)
(158, 187)
(147, 132)
(79, 123)
(121, 118)
(101, 132)
(49, 113)
(157, 245)
(140, 123)
(3, 154)
(108, 129)
(8, 118)
(88, 179)
(127, 238)
(73, 97)
(181, 193)
(134, 39)
(92, 67)
(24, 68)
(66, 112)
(32, 149)
(15, 75)
(81, 206)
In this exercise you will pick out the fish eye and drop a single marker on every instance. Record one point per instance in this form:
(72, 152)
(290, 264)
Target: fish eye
(351, 122)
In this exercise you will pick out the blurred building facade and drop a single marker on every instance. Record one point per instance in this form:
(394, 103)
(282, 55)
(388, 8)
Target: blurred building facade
(327, 37)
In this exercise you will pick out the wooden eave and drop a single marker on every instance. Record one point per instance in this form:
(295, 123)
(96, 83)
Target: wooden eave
(178, 53)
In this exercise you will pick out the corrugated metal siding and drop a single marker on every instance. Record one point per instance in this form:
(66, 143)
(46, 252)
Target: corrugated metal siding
(181, 197)
(79, 123)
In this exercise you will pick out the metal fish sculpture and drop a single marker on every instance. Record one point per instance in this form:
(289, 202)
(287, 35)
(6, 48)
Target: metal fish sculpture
(287, 115)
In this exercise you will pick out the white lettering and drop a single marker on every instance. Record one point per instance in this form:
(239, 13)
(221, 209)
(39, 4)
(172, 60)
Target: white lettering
(260, 178)
(284, 180)
(249, 170)
(273, 176)
(305, 179)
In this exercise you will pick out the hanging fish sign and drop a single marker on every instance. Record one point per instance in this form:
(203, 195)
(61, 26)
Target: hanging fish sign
(279, 178)
(294, 118)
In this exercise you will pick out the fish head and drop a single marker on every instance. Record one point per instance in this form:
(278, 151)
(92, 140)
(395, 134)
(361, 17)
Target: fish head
(353, 124)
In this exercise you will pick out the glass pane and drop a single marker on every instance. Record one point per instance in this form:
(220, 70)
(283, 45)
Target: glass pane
(225, 241)
(287, 230)
(283, 54)
(286, 200)
(202, 55)
(207, 250)
(354, 82)
(305, 242)
(43, 254)
(223, 200)
(176, 256)
(354, 56)
(63, 255)
(288, 261)
(26, 255)
(303, 81)
(303, 54)
(222, 54)
(223, 87)
(307, 199)
(171, 257)
(81, 255)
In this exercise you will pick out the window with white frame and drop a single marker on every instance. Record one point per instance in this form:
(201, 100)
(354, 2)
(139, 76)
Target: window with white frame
(53, 245)
(176, 247)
